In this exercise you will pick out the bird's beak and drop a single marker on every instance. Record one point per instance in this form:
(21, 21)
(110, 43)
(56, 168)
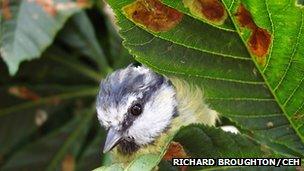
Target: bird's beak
(113, 138)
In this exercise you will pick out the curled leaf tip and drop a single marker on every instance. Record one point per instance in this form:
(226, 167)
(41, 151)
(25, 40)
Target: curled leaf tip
(153, 15)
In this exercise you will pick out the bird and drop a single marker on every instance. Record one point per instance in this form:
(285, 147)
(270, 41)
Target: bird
(140, 108)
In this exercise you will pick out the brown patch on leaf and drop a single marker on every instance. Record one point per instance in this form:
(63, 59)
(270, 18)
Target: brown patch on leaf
(211, 10)
(68, 163)
(6, 11)
(176, 150)
(260, 39)
(83, 3)
(48, 6)
(23, 93)
(52, 8)
(152, 14)
(259, 42)
(245, 18)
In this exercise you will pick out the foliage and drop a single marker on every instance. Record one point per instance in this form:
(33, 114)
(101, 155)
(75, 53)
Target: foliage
(47, 109)
(248, 60)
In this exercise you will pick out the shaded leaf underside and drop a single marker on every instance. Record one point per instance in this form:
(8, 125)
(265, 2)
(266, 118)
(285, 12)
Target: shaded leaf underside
(216, 59)
(49, 152)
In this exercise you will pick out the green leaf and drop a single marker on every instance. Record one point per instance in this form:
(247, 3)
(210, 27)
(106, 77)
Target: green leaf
(210, 142)
(23, 115)
(218, 60)
(91, 158)
(119, 54)
(30, 27)
(198, 140)
(63, 59)
(55, 150)
(284, 66)
(114, 167)
(38, 91)
(79, 34)
(144, 162)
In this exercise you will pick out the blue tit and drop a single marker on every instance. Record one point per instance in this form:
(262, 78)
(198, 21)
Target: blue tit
(138, 106)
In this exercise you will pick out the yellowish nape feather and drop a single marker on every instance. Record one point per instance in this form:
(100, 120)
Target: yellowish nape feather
(191, 109)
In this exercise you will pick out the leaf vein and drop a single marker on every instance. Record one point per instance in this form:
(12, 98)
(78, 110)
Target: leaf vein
(294, 51)
(294, 91)
(187, 46)
(200, 76)
(273, 36)
(240, 99)
(254, 116)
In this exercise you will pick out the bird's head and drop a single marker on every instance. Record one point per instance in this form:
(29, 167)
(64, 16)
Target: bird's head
(135, 105)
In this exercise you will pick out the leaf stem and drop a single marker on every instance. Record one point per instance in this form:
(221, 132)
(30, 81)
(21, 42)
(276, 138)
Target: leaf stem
(84, 70)
(77, 93)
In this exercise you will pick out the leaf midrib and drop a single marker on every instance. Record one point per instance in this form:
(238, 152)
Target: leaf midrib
(261, 72)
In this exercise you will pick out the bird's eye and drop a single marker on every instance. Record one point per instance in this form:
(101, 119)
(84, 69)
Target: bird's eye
(136, 109)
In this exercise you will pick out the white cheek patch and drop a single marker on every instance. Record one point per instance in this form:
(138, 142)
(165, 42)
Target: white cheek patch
(114, 116)
(156, 116)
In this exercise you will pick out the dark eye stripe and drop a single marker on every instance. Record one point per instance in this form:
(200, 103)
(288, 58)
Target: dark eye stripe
(128, 121)
(147, 94)
(136, 109)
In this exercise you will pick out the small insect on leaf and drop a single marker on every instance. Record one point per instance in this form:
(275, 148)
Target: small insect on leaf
(210, 10)
(153, 15)
(259, 40)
